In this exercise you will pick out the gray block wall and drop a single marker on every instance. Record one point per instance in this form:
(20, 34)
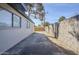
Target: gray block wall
(69, 34)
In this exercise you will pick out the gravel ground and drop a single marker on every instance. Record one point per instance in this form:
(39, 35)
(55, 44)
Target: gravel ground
(36, 44)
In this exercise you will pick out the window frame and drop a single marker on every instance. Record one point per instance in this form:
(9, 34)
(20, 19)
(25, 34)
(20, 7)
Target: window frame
(11, 19)
(22, 22)
(10, 27)
(28, 24)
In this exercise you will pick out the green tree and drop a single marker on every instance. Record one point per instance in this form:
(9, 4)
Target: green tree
(40, 12)
(37, 10)
(29, 7)
(61, 18)
(47, 24)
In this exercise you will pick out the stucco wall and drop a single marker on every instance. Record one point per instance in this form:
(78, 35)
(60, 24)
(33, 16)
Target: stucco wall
(11, 36)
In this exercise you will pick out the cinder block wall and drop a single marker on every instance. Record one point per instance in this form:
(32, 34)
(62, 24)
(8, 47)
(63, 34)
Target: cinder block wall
(51, 30)
(47, 29)
(69, 34)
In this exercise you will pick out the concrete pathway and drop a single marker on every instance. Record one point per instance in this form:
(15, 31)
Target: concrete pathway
(36, 44)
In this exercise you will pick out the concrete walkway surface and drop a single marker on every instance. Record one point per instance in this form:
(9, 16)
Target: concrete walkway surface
(37, 44)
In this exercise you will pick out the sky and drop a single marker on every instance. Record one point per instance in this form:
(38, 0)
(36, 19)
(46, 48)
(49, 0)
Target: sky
(55, 10)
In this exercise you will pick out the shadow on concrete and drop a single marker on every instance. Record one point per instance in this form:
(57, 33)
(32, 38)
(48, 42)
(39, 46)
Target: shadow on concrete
(64, 50)
(68, 52)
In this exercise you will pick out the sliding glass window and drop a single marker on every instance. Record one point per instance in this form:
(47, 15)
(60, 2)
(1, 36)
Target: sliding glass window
(5, 18)
(16, 21)
(24, 23)
(28, 25)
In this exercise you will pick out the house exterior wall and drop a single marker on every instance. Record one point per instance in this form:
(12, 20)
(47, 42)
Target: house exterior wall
(11, 36)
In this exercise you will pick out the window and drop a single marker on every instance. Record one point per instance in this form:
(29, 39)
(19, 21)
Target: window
(16, 21)
(23, 23)
(28, 24)
(8, 19)
(5, 18)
